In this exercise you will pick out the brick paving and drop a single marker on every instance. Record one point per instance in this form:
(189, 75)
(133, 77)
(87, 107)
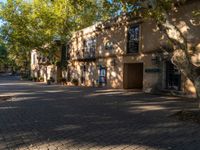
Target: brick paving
(42, 117)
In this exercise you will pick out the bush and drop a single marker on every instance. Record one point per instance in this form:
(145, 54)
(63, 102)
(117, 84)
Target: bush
(41, 79)
(75, 82)
(52, 79)
(64, 80)
(24, 76)
(48, 82)
(34, 79)
(30, 78)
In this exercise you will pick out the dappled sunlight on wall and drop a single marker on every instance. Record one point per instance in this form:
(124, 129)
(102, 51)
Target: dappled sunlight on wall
(184, 28)
(187, 22)
(114, 35)
(189, 87)
(150, 37)
(114, 72)
(91, 73)
(111, 50)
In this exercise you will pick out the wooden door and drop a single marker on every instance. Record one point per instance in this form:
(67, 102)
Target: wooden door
(133, 76)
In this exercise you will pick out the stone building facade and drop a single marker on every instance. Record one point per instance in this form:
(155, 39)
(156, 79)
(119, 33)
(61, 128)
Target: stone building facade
(41, 69)
(127, 53)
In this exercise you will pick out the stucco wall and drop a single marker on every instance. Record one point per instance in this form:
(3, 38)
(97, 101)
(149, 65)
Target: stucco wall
(150, 40)
(44, 71)
(189, 25)
(116, 36)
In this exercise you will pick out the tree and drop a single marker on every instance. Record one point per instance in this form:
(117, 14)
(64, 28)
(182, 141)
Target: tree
(161, 11)
(5, 61)
(3, 56)
(36, 24)
(15, 31)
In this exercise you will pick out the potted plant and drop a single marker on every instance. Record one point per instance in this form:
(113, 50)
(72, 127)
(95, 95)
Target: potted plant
(52, 79)
(48, 82)
(34, 79)
(41, 79)
(75, 82)
(30, 78)
(63, 81)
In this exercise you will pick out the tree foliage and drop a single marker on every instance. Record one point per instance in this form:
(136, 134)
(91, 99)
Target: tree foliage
(3, 55)
(36, 24)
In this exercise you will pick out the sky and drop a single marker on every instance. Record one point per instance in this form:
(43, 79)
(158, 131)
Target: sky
(2, 0)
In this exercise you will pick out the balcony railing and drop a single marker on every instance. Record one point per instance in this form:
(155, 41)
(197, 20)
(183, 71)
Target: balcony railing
(43, 60)
(85, 55)
(90, 54)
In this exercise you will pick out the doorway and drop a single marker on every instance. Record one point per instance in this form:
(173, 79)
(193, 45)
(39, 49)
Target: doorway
(102, 76)
(133, 76)
(173, 77)
(83, 74)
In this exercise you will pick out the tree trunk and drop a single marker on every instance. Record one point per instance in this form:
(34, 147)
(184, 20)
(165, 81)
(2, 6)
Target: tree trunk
(197, 87)
(181, 53)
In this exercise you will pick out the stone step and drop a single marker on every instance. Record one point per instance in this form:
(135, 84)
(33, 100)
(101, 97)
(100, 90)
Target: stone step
(171, 92)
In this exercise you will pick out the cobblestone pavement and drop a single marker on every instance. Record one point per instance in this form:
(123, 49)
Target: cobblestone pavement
(71, 118)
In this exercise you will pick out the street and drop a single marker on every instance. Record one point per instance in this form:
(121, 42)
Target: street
(54, 117)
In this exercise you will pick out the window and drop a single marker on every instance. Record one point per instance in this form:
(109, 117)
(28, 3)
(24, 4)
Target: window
(33, 59)
(108, 46)
(102, 75)
(133, 39)
(89, 47)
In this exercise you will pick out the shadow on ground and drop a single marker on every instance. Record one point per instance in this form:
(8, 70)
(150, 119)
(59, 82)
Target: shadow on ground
(78, 117)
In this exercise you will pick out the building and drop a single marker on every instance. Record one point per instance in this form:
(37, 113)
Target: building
(49, 66)
(127, 53)
(40, 68)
